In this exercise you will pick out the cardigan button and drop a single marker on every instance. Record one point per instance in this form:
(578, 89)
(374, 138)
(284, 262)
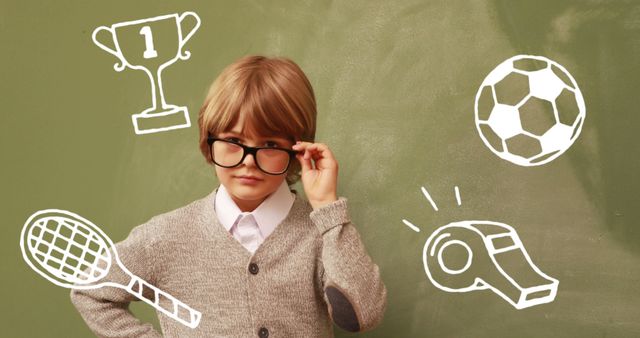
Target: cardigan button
(263, 332)
(253, 268)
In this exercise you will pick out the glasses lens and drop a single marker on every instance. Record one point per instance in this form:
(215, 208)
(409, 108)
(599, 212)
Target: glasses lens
(273, 161)
(226, 154)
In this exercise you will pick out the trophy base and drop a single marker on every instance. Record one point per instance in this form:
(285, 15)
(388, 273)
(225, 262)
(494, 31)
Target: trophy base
(173, 117)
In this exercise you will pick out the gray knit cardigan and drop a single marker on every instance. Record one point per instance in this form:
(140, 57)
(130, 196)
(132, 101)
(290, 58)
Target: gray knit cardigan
(312, 269)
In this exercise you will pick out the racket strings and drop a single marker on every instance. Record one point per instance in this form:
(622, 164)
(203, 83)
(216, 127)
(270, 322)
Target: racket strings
(68, 250)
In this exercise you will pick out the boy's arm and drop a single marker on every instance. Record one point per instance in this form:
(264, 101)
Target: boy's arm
(352, 284)
(106, 309)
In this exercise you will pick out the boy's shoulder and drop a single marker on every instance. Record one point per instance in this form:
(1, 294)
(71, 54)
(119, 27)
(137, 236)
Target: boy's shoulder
(192, 220)
(177, 223)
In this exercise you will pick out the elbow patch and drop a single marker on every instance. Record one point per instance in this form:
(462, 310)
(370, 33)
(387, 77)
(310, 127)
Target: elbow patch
(342, 311)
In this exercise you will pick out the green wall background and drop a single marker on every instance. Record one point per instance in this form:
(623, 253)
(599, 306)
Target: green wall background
(395, 83)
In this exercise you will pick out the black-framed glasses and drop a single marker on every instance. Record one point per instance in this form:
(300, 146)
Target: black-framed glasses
(270, 160)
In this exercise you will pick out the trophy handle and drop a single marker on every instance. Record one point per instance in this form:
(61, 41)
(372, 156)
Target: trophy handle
(184, 38)
(117, 66)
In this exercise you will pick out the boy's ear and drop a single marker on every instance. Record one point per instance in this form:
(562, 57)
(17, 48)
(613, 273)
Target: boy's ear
(293, 174)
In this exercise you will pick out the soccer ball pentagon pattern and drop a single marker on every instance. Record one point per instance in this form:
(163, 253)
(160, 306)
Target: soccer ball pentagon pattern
(529, 110)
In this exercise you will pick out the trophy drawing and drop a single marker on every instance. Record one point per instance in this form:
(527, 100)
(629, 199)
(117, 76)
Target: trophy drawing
(151, 45)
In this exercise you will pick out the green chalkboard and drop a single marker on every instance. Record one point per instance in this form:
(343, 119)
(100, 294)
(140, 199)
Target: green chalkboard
(396, 83)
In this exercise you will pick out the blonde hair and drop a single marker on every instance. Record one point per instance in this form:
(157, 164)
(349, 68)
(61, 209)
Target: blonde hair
(274, 97)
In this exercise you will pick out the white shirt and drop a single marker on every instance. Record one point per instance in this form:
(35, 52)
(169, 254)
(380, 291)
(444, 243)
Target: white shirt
(252, 228)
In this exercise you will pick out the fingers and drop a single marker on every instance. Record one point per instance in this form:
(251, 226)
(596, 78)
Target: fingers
(306, 163)
(313, 150)
(315, 156)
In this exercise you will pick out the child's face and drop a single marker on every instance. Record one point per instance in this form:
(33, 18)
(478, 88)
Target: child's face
(249, 193)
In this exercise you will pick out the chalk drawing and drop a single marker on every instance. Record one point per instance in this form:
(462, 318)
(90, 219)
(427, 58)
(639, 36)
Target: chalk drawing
(465, 256)
(72, 252)
(143, 51)
(529, 110)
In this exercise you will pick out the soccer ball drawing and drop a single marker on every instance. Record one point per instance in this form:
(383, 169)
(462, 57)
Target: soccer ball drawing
(529, 110)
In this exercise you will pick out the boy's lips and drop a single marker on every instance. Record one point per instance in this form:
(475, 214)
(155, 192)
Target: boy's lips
(248, 179)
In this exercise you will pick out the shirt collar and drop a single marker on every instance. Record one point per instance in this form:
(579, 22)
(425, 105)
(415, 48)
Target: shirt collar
(273, 210)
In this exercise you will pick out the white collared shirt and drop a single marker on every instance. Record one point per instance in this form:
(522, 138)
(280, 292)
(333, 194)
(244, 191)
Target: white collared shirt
(266, 217)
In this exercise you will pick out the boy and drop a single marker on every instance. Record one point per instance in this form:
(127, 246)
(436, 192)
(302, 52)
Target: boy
(254, 257)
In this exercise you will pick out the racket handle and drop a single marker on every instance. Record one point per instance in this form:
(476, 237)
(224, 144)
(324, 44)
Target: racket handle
(176, 310)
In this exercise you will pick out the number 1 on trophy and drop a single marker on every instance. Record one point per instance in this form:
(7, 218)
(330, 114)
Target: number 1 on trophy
(152, 58)
(149, 52)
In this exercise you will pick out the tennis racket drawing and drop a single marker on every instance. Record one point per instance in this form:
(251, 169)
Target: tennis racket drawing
(72, 252)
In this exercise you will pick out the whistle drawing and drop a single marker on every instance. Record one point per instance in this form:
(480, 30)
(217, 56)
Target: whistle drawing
(478, 255)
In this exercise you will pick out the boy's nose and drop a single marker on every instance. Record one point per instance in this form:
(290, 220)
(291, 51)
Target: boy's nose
(249, 160)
